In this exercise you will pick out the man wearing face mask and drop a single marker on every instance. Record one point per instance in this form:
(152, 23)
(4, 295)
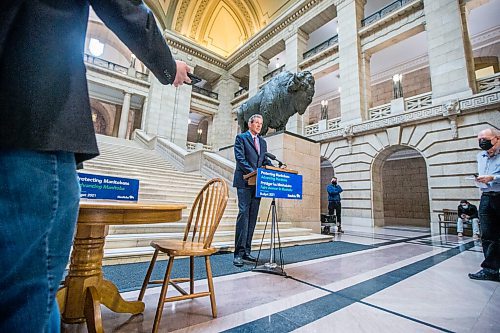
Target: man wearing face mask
(467, 212)
(334, 205)
(488, 164)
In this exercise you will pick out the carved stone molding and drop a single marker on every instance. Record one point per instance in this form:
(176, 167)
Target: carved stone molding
(278, 26)
(450, 109)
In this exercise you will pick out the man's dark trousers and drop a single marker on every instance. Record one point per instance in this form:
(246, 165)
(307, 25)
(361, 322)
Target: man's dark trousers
(489, 215)
(248, 206)
(335, 207)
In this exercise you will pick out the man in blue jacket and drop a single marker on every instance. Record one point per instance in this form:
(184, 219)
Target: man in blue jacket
(46, 126)
(249, 152)
(334, 205)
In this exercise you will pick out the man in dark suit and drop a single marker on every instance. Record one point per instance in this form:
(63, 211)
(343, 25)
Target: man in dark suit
(45, 129)
(249, 152)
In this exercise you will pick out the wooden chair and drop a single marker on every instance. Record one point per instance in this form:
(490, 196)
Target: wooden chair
(446, 219)
(203, 220)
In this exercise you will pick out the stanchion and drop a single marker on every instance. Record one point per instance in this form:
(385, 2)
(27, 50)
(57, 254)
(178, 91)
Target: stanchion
(272, 267)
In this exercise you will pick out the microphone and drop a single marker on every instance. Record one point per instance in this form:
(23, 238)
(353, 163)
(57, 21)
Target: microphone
(271, 156)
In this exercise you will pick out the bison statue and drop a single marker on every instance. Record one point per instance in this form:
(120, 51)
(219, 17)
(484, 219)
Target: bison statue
(279, 99)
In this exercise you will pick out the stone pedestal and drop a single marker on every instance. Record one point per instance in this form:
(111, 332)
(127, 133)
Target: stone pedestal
(398, 105)
(323, 125)
(303, 155)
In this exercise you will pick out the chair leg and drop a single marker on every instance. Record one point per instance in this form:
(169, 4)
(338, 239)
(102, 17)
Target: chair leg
(191, 275)
(211, 286)
(163, 293)
(148, 276)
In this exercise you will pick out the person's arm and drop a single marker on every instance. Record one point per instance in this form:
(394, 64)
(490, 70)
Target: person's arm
(340, 189)
(330, 189)
(239, 154)
(474, 213)
(334, 189)
(136, 26)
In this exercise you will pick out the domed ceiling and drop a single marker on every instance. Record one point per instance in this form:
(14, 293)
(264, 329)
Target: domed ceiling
(221, 26)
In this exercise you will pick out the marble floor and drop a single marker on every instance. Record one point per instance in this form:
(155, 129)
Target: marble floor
(408, 281)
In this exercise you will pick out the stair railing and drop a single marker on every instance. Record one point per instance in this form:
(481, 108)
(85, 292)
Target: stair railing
(170, 151)
(214, 166)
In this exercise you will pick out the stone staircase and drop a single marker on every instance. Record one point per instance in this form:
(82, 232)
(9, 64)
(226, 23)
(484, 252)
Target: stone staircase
(159, 181)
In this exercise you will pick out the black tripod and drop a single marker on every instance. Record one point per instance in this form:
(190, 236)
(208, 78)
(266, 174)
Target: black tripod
(272, 267)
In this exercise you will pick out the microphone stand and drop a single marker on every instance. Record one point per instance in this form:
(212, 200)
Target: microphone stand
(272, 267)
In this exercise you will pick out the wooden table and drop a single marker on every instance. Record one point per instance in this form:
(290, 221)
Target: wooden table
(84, 288)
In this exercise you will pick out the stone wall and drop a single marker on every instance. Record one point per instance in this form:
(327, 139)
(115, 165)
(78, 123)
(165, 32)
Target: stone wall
(302, 155)
(414, 83)
(406, 194)
(450, 161)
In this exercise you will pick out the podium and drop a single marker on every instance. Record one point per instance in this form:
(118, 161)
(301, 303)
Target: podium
(273, 182)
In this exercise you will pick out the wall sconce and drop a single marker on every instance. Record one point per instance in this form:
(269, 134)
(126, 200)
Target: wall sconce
(397, 85)
(324, 109)
(200, 133)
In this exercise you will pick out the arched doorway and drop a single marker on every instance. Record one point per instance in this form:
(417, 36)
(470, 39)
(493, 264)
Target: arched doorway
(101, 117)
(400, 188)
(326, 174)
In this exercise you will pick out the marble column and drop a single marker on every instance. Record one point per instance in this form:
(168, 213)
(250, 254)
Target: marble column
(352, 95)
(168, 112)
(258, 68)
(295, 46)
(122, 129)
(366, 86)
(449, 60)
(221, 127)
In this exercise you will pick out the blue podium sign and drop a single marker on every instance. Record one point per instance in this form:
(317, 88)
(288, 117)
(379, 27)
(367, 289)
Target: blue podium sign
(278, 184)
(106, 187)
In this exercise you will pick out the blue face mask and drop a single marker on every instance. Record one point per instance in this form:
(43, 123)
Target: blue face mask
(465, 206)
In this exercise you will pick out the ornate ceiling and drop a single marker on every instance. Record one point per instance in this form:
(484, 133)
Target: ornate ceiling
(221, 26)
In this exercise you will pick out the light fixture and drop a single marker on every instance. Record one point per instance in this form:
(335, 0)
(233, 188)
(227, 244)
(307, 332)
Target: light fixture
(200, 132)
(324, 109)
(397, 77)
(94, 117)
(277, 62)
(397, 85)
(96, 48)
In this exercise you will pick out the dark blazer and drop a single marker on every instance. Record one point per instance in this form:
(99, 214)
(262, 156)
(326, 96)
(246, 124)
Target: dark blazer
(247, 159)
(44, 103)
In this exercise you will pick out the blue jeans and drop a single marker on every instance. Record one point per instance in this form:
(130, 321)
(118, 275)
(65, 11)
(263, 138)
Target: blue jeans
(475, 225)
(39, 196)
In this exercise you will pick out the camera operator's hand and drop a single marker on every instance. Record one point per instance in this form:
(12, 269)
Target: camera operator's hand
(181, 75)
